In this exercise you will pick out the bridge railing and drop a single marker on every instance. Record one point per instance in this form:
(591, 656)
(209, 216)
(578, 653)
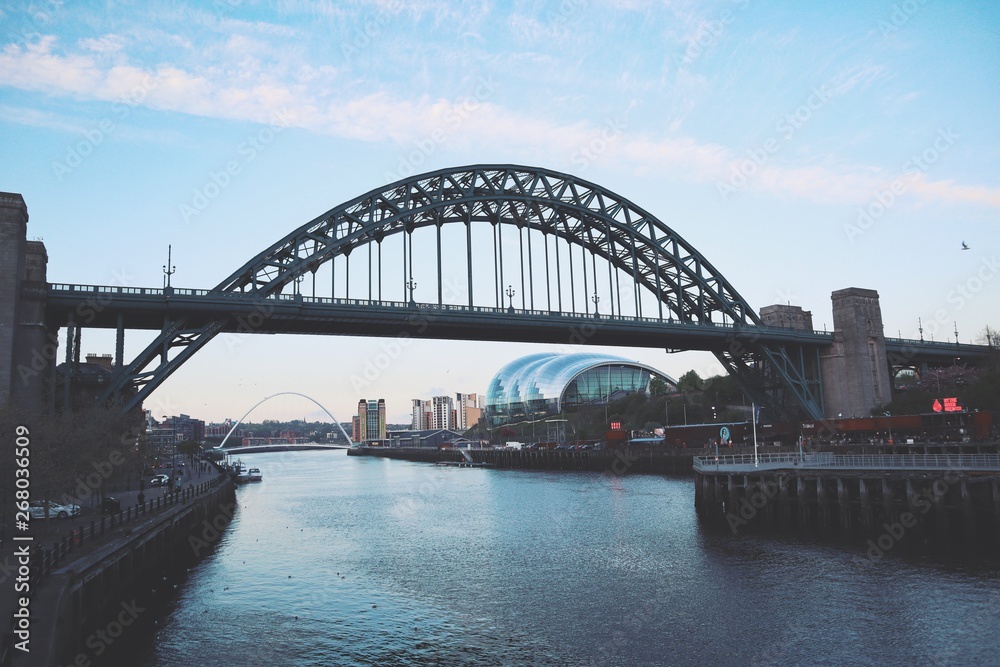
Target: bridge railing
(826, 460)
(158, 292)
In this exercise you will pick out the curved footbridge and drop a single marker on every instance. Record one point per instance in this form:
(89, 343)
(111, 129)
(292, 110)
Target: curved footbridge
(923, 499)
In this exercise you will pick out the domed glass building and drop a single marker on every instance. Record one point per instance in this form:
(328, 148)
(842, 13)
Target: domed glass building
(550, 383)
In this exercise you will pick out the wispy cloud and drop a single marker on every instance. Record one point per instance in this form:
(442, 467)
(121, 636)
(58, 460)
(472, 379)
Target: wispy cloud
(253, 92)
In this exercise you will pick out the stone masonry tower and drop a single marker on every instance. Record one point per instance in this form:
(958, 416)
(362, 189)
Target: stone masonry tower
(25, 354)
(855, 369)
(13, 233)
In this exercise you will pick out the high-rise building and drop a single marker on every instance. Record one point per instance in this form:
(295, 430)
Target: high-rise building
(370, 424)
(443, 412)
(356, 433)
(468, 410)
(422, 415)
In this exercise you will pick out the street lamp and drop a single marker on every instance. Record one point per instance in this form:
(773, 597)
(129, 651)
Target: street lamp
(411, 284)
(510, 295)
(167, 272)
(595, 299)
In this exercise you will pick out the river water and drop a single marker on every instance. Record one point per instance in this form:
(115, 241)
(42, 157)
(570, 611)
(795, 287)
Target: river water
(337, 560)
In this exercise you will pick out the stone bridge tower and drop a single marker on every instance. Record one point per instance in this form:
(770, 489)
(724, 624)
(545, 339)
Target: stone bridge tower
(855, 369)
(26, 355)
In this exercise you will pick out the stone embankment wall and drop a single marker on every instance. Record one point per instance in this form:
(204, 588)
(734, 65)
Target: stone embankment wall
(89, 582)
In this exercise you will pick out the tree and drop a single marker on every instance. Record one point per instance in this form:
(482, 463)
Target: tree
(657, 386)
(690, 382)
(989, 336)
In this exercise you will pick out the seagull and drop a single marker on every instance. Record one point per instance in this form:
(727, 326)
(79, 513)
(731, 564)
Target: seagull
(964, 246)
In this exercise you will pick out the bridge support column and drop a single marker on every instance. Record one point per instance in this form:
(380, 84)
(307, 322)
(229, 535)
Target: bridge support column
(866, 511)
(942, 524)
(68, 378)
(822, 504)
(995, 491)
(888, 505)
(784, 508)
(804, 508)
(968, 510)
(844, 500)
(120, 342)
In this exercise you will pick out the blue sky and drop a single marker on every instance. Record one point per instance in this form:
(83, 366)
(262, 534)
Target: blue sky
(801, 149)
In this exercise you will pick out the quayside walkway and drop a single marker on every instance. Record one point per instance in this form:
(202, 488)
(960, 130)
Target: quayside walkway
(748, 463)
(931, 499)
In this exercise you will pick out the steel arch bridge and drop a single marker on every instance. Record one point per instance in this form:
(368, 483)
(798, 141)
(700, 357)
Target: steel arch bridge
(679, 300)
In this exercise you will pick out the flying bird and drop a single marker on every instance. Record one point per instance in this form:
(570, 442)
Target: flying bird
(964, 246)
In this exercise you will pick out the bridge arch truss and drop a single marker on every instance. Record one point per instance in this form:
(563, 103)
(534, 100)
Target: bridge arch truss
(598, 241)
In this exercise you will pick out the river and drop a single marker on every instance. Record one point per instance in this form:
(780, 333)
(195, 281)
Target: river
(337, 560)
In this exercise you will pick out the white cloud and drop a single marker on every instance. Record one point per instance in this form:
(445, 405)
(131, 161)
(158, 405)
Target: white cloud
(106, 44)
(250, 92)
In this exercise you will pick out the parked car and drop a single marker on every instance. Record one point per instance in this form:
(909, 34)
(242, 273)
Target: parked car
(36, 510)
(159, 480)
(110, 505)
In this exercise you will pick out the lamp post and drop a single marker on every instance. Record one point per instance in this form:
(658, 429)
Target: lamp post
(510, 295)
(411, 285)
(167, 272)
(595, 299)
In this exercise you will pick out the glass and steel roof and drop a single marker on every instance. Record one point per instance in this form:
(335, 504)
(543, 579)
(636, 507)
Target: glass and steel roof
(542, 379)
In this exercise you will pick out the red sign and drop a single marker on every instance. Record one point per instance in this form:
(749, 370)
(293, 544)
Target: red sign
(616, 426)
(949, 404)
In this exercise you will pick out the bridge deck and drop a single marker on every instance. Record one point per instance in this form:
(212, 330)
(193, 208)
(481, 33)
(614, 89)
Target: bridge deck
(145, 308)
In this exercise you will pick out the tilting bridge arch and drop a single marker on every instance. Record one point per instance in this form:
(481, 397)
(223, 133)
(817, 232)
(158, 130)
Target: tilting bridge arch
(694, 306)
(284, 393)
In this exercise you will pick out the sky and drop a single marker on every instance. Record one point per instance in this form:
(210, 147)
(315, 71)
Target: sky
(802, 148)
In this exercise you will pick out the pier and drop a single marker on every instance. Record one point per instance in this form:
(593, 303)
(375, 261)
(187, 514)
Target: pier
(936, 498)
(618, 461)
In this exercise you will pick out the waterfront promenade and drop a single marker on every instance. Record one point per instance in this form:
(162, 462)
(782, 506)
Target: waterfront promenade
(61, 549)
(939, 499)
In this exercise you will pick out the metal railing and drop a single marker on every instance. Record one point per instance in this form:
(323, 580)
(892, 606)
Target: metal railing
(828, 461)
(173, 292)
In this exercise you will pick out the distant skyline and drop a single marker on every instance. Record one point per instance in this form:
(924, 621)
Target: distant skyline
(801, 149)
